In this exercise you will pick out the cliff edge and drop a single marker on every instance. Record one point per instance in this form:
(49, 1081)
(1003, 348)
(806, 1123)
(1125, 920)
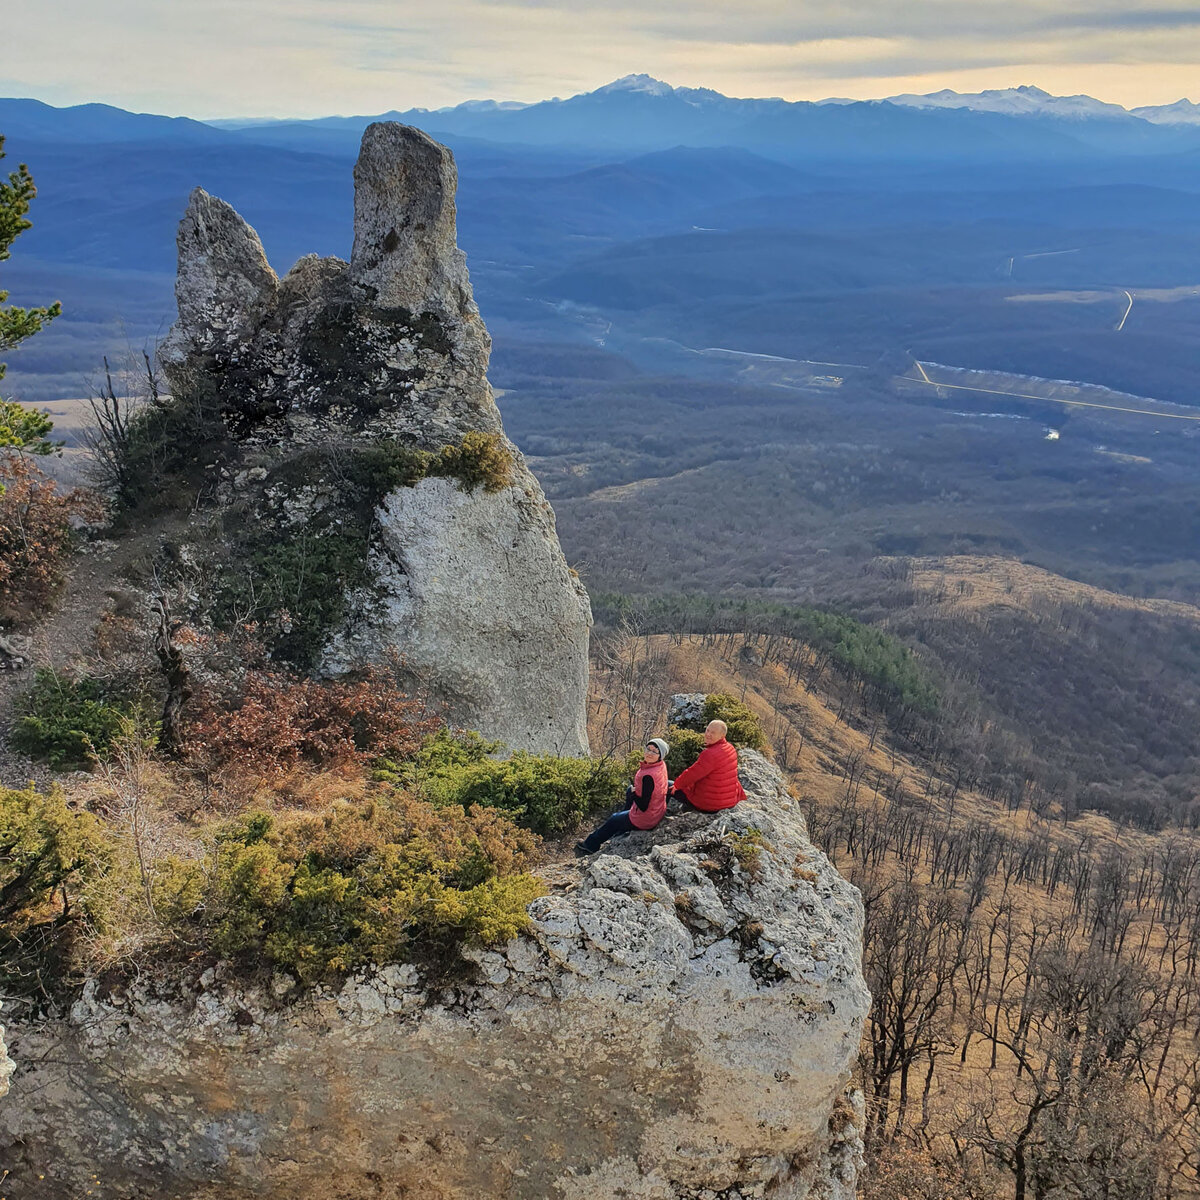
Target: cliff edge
(679, 1022)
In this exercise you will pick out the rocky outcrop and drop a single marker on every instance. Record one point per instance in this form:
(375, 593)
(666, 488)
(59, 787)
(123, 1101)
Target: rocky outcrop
(7, 1066)
(679, 1022)
(323, 381)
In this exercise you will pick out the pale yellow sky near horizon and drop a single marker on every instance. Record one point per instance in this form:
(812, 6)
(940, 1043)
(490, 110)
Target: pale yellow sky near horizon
(304, 58)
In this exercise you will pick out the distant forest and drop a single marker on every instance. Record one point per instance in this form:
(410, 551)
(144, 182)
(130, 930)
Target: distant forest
(715, 356)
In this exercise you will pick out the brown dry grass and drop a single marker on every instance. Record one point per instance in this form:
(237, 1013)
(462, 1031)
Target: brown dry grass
(820, 741)
(973, 582)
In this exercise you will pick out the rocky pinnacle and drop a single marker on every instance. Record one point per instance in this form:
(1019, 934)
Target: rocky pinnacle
(337, 363)
(405, 248)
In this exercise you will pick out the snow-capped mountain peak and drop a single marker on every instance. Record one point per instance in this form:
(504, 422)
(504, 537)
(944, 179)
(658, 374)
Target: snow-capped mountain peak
(482, 106)
(636, 83)
(1182, 112)
(1024, 101)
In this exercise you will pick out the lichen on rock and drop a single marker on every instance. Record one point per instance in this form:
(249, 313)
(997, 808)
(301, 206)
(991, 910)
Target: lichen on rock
(675, 1025)
(300, 381)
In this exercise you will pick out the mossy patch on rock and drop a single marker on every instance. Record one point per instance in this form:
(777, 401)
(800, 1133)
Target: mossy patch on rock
(296, 555)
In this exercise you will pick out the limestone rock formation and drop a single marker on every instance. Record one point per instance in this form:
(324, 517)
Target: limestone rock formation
(680, 1022)
(323, 382)
(7, 1066)
(686, 708)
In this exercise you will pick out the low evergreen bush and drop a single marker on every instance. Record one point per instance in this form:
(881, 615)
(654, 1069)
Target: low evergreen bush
(367, 883)
(60, 869)
(686, 745)
(68, 721)
(539, 791)
(744, 728)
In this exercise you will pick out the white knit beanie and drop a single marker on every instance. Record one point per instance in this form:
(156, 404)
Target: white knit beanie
(663, 748)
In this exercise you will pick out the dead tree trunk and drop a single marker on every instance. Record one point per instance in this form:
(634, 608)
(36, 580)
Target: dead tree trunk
(175, 672)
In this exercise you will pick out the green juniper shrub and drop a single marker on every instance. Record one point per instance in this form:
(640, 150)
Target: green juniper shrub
(434, 771)
(367, 883)
(67, 721)
(384, 466)
(58, 868)
(686, 745)
(542, 792)
(744, 727)
(295, 585)
(539, 791)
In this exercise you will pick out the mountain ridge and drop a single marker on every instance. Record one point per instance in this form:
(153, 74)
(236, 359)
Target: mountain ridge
(1021, 100)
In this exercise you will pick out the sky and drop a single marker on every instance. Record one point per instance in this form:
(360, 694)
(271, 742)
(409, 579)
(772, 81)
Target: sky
(303, 58)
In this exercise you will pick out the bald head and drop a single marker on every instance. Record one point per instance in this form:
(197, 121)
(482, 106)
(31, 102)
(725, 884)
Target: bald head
(715, 731)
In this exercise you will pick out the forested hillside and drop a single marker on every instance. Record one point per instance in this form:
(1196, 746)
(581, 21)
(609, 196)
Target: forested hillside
(1035, 971)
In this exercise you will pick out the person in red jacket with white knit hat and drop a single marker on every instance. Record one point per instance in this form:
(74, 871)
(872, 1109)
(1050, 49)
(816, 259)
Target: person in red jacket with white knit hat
(645, 799)
(711, 783)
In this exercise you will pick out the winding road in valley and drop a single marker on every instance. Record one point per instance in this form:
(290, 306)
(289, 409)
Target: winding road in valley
(962, 387)
(1125, 316)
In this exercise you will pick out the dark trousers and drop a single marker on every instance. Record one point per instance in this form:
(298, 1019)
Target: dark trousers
(684, 802)
(617, 823)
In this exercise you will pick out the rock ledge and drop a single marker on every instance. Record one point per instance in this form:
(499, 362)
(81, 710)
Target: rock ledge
(679, 1023)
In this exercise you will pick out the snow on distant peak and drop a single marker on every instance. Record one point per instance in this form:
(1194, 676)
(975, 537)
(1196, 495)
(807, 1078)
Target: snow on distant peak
(636, 83)
(1182, 112)
(484, 106)
(1023, 101)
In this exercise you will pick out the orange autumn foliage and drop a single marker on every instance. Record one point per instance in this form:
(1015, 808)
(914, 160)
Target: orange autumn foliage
(35, 536)
(281, 722)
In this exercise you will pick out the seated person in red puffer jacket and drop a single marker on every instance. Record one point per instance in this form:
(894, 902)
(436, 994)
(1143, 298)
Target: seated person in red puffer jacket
(645, 799)
(711, 782)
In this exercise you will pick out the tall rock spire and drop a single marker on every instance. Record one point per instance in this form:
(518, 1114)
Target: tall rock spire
(342, 385)
(224, 278)
(406, 252)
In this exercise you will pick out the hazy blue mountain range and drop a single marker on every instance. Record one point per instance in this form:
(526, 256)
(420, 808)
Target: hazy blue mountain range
(639, 112)
(639, 212)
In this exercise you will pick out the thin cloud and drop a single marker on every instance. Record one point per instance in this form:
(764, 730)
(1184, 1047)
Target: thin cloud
(1128, 19)
(311, 57)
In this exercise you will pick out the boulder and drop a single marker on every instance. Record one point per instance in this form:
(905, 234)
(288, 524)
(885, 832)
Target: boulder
(686, 708)
(680, 1021)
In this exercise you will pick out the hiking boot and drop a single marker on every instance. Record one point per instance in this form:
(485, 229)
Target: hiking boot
(581, 851)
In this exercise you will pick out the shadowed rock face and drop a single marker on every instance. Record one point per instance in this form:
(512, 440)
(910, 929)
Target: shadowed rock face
(468, 586)
(679, 1023)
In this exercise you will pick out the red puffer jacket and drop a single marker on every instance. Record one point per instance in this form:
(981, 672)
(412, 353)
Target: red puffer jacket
(711, 782)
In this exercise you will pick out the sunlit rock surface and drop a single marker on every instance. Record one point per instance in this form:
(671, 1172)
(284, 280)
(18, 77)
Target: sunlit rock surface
(679, 1022)
(468, 587)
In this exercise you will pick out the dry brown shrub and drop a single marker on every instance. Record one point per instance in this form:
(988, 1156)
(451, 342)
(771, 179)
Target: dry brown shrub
(284, 733)
(907, 1173)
